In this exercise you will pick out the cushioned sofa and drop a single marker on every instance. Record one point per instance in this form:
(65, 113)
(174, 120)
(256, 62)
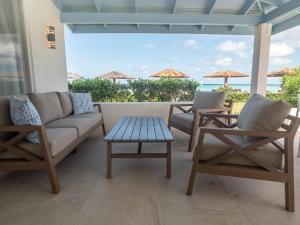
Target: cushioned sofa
(60, 133)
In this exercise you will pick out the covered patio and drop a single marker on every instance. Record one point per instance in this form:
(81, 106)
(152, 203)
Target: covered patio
(139, 193)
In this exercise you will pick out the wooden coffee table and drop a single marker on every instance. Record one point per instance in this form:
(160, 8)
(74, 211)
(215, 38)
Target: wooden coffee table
(139, 130)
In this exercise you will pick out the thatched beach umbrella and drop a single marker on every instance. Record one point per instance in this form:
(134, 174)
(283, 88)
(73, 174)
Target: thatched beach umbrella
(280, 73)
(74, 76)
(226, 74)
(170, 73)
(115, 75)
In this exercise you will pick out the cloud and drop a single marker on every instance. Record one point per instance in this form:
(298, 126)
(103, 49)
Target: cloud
(239, 47)
(290, 37)
(280, 61)
(191, 43)
(223, 61)
(280, 49)
(150, 45)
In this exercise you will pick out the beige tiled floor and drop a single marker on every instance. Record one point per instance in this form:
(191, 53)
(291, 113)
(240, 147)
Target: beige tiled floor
(139, 193)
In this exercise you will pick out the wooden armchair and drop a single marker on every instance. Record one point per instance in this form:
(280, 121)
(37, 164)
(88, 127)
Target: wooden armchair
(190, 119)
(224, 151)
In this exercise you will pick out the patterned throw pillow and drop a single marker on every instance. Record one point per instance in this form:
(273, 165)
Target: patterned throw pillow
(82, 103)
(23, 112)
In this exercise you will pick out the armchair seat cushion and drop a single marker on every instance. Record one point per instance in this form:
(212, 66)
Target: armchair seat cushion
(213, 147)
(183, 119)
(81, 124)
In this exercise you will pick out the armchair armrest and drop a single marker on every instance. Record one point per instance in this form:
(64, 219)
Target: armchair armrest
(219, 115)
(243, 132)
(216, 111)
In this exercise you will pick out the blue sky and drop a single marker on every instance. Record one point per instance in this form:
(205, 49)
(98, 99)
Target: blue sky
(140, 55)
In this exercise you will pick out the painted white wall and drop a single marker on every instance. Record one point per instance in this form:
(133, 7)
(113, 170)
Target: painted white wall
(112, 112)
(48, 66)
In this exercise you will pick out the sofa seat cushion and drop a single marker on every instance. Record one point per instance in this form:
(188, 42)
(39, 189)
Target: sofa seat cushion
(95, 115)
(212, 147)
(81, 124)
(59, 138)
(65, 102)
(48, 106)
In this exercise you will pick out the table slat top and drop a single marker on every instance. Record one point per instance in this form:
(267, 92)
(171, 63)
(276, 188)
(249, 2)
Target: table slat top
(140, 129)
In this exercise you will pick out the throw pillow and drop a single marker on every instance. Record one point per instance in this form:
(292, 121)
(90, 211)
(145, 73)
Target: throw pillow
(82, 103)
(23, 112)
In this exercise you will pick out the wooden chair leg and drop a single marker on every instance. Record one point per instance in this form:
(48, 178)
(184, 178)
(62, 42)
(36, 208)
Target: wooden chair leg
(103, 129)
(289, 196)
(53, 179)
(192, 180)
(190, 143)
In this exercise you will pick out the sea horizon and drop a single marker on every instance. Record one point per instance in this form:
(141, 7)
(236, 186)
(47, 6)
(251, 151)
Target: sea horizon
(242, 87)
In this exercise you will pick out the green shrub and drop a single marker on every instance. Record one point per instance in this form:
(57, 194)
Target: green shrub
(291, 86)
(164, 90)
(137, 90)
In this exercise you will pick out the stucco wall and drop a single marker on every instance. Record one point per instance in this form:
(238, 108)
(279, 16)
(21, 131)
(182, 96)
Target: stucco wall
(112, 112)
(48, 66)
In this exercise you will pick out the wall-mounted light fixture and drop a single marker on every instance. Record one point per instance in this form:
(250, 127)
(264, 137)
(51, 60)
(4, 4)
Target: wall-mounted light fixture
(50, 31)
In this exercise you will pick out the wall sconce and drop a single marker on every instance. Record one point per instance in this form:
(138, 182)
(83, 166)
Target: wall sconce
(50, 32)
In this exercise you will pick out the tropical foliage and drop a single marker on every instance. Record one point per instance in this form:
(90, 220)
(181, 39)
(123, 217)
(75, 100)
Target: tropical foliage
(163, 90)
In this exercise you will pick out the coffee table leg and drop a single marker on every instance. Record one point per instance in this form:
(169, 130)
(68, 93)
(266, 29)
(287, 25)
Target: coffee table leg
(108, 160)
(140, 148)
(169, 159)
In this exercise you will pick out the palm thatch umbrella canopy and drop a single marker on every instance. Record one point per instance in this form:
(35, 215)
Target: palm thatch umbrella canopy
(226, 74)
(280, 73)
(115, 75)
(74, 76)
(170, 73)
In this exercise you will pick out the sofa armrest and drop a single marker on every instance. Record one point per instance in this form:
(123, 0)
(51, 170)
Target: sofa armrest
(98, 105)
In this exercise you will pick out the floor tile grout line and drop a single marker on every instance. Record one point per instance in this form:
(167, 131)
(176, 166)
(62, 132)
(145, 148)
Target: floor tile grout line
(232, 198)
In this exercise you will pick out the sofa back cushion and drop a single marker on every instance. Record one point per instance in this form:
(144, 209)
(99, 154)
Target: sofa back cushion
(65, 102)
(48, 106)
(208, 100)
(260, 113)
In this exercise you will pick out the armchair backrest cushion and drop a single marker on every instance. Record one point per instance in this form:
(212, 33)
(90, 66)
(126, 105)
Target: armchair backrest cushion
(208, 100)
(260, 113)
(65, 102)
(48, 106)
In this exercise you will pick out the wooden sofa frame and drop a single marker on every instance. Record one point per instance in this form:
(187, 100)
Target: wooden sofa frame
(266, 171)
(198, 118)
(30, 161)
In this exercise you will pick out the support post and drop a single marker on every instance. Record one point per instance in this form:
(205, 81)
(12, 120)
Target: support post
(261, 50)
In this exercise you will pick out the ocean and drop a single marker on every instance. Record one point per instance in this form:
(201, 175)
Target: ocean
(242, 87)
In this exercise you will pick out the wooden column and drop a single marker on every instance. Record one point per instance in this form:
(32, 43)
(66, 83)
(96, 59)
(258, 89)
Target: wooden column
(261, 50)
